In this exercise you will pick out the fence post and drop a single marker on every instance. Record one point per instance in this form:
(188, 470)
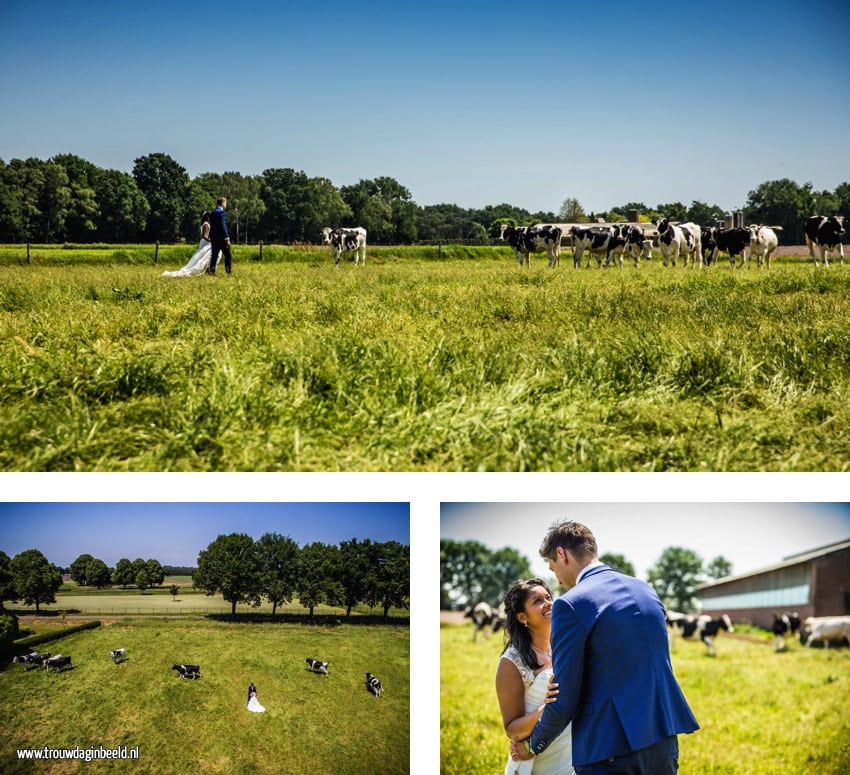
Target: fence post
(28, 252)
(156, 255)
(261, 251)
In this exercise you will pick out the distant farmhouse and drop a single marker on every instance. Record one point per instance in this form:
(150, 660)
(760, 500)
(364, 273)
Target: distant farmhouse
(814, 583)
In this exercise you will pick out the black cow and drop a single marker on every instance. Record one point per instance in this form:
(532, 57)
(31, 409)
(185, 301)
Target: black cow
(318, 667)
(526, 240)
(346, 241)
(373, 685)
(59, 662)
(594, 239)
(825, 234)
(735, 242)
(188, 671)
(485, 619)
(784, 624)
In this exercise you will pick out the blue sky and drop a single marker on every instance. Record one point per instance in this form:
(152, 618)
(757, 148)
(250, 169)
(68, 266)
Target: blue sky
(174, 533)
(468, 103)
(750, 535)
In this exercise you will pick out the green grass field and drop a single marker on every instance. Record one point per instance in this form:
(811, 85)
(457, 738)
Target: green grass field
(415, 363)
(312, 723)
(760, 712)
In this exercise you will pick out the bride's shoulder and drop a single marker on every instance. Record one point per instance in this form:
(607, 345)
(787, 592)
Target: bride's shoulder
(512, 655)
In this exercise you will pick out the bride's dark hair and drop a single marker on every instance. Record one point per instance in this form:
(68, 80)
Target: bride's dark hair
(516, 633)
(205, 216)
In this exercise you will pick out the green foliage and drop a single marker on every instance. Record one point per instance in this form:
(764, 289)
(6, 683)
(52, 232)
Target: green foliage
(36, 640)
(760, 713)
(8, 633)
(230, 565)
(471, 572)
(676, 576)
(618, 562)
(35, 579)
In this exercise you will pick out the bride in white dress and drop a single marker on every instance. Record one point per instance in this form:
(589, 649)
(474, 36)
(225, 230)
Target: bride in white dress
(200, 260)
(253, 703)
(524, 677)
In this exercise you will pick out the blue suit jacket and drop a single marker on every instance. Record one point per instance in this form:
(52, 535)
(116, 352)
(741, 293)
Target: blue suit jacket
(611, 658)
(218, 225)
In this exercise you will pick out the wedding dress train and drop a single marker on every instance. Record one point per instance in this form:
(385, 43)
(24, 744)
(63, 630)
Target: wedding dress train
(198, 263)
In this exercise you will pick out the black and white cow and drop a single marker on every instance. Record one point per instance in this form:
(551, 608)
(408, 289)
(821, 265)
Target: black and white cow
(763, 241)
(346, 241)
(31, 660)
(596, 240)
(704, 626)
(318, 667)
(628, 239)
(526, 240)
(485, 619)
(118, 655)
(373, 685)
(684, 239)
(57, 663)
(735, 242)
(824, 234)
(825, 629)
(784, 624)
(188, 671)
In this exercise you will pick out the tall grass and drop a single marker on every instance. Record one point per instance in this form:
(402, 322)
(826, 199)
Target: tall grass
(416, 363)
(317, 724)
(760, 713)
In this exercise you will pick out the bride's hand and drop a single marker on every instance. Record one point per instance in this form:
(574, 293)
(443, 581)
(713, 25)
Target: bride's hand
(552, 691)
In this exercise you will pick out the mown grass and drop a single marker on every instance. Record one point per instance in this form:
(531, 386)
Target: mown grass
(416, 363)
(312, 723)
(760, 712)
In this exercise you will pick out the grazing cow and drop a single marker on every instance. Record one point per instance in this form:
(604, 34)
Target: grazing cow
(636, 244)
(784, 624)
(735, 242)
(346, 241)
(763, 241)
(825, 234)
(57, 663)
(188, 671)
(526, 240)
(118, 655)
(485, 619)
(318, 667)
(594, 239)
(825, 629)
(373, 685)
(31, 660)
(704, 626)
(679, 240)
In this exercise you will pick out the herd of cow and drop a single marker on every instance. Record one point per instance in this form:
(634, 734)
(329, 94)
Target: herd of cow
(695, 245)
(823, 629)
(192, 672)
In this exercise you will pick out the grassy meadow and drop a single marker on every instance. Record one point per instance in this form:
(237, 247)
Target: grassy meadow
(760, 712)
(317, 724)
(420, 361)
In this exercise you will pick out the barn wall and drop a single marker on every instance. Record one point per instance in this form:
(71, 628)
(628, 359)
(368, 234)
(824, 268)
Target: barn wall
(831, 584)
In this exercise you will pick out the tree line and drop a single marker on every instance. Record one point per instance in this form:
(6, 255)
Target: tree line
(242, 570)
(471, 572)
(67, 199)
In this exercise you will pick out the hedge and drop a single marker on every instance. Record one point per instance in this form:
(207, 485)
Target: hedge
(45, 637)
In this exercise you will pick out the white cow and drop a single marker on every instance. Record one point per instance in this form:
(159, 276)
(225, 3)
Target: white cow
(763, 241)
(826, 628)
(683, 240)
(346, 241)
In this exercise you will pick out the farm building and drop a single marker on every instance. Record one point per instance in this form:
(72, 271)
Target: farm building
(813, 583)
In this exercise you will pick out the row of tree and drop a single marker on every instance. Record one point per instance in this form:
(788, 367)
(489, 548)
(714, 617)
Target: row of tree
(90, 571)
(69, 199)
(471, 572)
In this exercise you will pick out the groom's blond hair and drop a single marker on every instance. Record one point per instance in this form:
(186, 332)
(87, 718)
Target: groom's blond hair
(571, 536)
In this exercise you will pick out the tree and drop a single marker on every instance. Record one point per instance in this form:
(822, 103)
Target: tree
(318, 578)
(143, 579)
(123, 574)
(278, 557)
(7, 585)
(81, 219)
(391, 563)
(471, 572)
(140, 567)
(718, 568)
(123, 207)
(675, 578)
(782, 203)
(675, 211)
(572, 212)
(619, 563)
(98, 574)
(173, 590)
(231, 565)
(155, 572)
(705, 215)
(79, 569)
(358, 572)
(35, 579)
(384, 208)
(165, 185)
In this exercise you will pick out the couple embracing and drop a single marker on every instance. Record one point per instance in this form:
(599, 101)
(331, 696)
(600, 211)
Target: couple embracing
(215, 239)
(613, 705)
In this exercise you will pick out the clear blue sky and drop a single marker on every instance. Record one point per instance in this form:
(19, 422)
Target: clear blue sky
(750, 535)
(468, 103)
(174, 533)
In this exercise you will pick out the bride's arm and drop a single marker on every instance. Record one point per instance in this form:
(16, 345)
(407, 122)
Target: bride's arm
(205, 232)
(511, 694)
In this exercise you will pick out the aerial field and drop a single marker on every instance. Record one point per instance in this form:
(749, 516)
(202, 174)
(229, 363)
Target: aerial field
(760, 712)
(313, 723)
(423, 360)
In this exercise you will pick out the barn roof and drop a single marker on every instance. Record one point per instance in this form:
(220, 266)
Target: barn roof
(788, 562)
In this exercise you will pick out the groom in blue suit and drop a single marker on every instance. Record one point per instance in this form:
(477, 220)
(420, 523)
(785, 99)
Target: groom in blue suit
(219, 237)
(611, 659)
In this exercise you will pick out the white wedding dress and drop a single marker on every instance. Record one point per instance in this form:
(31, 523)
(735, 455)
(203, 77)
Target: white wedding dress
(557, 758)
(254, 705)
(198, 263)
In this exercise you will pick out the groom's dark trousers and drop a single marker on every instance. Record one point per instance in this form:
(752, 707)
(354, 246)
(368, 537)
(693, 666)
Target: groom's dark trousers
(661, 758)
(218, 240)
